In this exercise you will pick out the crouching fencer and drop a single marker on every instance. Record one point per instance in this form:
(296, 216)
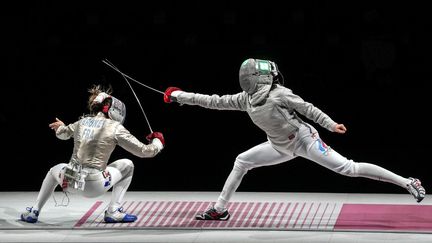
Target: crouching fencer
(273, 108)
(88, 172)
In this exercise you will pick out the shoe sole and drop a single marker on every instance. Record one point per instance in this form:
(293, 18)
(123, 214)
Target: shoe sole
(31, 220)
(111, 220)
(219, 219)
(420, 199)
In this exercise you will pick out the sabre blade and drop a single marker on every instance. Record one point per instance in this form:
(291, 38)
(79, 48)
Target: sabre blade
(127, 76)
(130, 86)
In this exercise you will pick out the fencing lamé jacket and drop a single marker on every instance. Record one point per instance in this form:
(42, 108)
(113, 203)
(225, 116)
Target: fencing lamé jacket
(95, 138)
(274, 112)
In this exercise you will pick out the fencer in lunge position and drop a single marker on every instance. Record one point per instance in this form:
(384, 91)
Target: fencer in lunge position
(272, 107)
(88, 172)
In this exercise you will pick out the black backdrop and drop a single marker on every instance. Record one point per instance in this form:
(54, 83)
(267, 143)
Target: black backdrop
(367, 65)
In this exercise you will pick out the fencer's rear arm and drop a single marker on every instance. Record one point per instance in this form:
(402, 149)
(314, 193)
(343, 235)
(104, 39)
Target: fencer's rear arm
(66, 132)
(308, 110)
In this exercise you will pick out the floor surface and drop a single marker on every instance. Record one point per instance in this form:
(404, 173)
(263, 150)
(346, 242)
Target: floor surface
(256, 217)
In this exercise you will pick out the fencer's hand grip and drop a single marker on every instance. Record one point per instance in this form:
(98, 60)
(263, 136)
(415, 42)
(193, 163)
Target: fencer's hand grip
(168, 98)
(157, 135)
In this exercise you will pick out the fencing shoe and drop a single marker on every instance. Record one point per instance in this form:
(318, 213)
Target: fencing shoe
(416, 189)
(213, 214)
(119, 216)
(30, 215)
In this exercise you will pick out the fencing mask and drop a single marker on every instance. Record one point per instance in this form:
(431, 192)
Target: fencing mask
(115, 111)
(255, 71)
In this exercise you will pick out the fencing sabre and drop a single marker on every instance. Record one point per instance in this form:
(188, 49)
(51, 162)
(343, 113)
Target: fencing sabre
(126, 76)
(130, 86)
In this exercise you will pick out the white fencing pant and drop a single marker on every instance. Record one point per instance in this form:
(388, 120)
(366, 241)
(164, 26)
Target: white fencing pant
(118, 175)
(307, 144)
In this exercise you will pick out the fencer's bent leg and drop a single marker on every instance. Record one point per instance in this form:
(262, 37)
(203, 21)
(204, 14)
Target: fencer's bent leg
(121, 172)
(316, 150)
(261, 155)
(118, 176)
(52, 179)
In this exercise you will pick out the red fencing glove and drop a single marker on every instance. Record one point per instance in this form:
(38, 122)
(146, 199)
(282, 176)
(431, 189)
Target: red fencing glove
(168, 98)
(157, 135)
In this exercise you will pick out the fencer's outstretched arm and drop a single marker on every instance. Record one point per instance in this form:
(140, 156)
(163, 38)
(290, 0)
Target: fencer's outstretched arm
(226, 102)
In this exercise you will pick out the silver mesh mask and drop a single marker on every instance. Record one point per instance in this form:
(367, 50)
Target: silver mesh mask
(117, 110)
(255, 71)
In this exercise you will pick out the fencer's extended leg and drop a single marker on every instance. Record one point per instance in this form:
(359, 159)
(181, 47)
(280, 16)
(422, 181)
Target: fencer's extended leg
(316, 150)
(261, 155)
(121, 172)
(49, 184)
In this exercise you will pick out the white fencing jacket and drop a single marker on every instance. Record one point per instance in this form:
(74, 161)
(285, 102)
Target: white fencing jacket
(275, 114)
(95, 138)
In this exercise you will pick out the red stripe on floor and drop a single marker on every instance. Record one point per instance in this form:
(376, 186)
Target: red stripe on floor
(322, 216)
(298, 216)
(315, 214)
(181, 213)
(292, 212)
(276, 215)
(331, 215)
(267, 216)
(88, 214)
(252, 215)
(307, 214)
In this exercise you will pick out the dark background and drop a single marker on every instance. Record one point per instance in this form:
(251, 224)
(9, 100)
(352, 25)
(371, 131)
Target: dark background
(366, 64)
